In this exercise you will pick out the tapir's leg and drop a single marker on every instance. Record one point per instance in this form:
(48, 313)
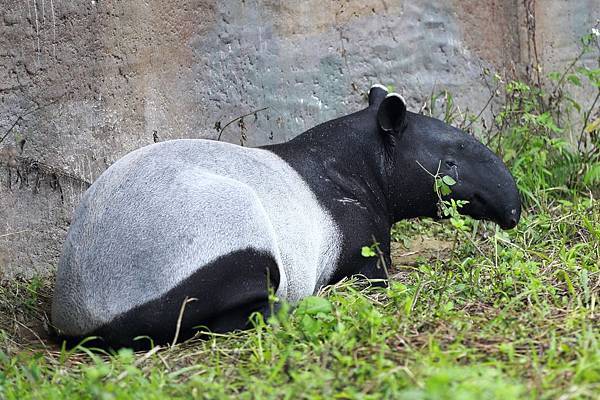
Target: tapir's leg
(221, 296)
(238, 318)
(375, 270)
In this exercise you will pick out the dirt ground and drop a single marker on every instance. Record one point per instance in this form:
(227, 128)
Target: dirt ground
(419, 249)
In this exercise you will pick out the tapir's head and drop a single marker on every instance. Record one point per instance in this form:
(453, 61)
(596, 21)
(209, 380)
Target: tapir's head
(419, 147)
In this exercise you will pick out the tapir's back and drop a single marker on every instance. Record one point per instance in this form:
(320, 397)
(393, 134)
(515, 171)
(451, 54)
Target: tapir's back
(163, 212)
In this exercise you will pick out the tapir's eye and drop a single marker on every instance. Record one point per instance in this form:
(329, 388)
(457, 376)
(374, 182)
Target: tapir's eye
(450, 163)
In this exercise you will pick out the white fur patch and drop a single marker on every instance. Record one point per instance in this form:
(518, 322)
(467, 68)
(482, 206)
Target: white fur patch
(162, 211)
(394, 94)
(380, 86)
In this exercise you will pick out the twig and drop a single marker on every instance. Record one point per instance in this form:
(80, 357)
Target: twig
(139, 361)
(566, 71)
(162, 359)
(435, 177)
(13, 233)
(181, 311)
(425, 169)
(415, 298)
(444, 287)
(26, 113)
(410, 253)
(381, 258)
(489, 101)
(587, 118)
(238, 118)
(34, 334)
(32, 164)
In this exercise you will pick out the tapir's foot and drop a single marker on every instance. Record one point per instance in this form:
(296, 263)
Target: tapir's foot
(239, 319)
(375, 270)
(220, 298)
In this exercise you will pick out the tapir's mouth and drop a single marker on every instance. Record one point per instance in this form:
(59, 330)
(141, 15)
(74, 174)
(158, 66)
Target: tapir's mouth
(479, 208)
(475, 207)
(511, 220)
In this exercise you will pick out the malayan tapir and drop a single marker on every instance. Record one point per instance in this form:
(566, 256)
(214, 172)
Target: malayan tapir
(220, 225)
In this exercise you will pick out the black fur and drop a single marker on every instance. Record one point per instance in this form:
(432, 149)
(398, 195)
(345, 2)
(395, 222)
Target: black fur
(379, 157)
(246, 276)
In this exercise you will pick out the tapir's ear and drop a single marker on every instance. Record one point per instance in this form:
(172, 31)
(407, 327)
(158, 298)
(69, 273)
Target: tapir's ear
(391, 116)
(376, 94)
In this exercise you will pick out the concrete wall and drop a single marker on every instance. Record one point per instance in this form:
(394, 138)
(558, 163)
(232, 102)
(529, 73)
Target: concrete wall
(84, 82)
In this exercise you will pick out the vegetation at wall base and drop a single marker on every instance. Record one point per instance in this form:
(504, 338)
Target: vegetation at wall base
(495, 315)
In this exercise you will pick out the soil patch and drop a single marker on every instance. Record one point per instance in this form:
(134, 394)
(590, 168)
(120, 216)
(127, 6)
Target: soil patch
(420, 248)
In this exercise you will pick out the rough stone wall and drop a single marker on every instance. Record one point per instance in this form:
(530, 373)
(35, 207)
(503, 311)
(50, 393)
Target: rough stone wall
(84, 82)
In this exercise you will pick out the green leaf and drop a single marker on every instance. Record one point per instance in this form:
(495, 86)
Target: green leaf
(568, 281)
(458, 223)
(314, 305)
(590, 227)
(574, 79)
(555, 76)
(367, 251)
(461, 203)
(445, 189)
(593, 126)
(592, 176)
(310, 326)
(574, 103)
(592, 74)
(448, 180)
(584, 279)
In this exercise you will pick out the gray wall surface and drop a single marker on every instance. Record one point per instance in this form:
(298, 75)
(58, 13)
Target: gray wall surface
(84, 82)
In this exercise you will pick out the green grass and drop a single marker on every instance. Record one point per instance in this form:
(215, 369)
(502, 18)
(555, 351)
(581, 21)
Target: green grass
(506, 315)
(494, 315)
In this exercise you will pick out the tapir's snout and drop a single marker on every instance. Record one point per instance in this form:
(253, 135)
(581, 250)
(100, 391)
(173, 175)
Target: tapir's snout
(506, 207)
(502, 206)
(488, 186)
(511, 219)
